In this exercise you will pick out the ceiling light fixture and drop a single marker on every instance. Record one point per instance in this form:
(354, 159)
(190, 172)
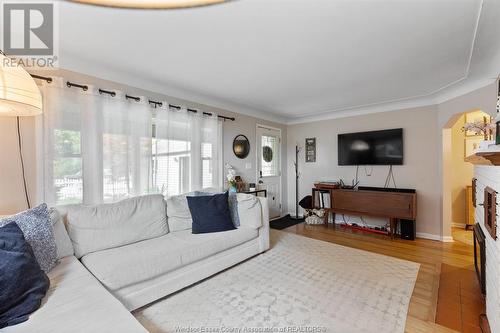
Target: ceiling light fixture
(151, 4)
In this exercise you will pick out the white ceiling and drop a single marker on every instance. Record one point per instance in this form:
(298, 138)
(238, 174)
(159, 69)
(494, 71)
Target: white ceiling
(291, 60)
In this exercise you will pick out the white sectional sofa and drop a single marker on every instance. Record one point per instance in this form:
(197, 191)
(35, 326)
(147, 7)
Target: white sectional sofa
(119, 257)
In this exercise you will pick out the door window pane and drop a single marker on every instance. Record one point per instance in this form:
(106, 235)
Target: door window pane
(270, 156)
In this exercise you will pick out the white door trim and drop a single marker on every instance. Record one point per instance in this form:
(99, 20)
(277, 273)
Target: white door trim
(257, 157)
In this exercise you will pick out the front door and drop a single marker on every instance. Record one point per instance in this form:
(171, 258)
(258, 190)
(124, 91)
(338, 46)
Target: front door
(269, 166)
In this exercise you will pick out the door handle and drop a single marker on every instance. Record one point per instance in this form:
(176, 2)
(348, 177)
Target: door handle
(260, 172)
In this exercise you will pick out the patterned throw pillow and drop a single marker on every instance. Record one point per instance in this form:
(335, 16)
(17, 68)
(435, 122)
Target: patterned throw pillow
(37, 229)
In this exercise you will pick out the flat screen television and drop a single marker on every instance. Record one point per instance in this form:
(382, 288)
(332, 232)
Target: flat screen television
(371, 148)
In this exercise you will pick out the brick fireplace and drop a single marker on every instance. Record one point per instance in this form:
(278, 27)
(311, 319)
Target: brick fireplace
(486, 216)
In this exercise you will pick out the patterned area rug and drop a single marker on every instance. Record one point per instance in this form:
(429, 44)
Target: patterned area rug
(299, 285)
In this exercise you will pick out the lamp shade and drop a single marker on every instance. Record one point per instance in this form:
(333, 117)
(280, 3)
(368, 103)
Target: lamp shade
(151, 4)
(19, 94)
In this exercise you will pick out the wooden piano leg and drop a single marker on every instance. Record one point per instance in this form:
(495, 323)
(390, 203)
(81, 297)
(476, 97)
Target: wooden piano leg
(327, 214)
(393, 223)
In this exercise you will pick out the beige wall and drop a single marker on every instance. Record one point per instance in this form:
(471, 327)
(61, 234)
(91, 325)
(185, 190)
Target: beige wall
(12, 198)
(11, 190)
(420, 164)
(461, 173)
(428, 136)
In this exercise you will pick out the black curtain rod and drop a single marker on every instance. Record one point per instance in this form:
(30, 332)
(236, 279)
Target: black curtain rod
(111, 93)
(155, 103)
(48, 79)
(137, 99)
(81, 86)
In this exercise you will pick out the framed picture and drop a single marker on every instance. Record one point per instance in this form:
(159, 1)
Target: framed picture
(471, 144)
(310, 149)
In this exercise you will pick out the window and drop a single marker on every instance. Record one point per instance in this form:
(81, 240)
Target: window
(101, 148)
(269, 162)
(171, 165)
(67, 167)
(207, 165)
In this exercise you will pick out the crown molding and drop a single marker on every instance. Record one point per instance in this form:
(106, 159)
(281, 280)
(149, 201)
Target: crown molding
(367, 109)
(449, 92)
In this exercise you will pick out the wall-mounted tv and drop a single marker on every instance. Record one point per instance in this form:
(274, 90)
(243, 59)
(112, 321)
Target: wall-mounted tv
(371, 148)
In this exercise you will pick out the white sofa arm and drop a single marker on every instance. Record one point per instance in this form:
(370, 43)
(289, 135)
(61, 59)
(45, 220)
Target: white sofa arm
(264, 229)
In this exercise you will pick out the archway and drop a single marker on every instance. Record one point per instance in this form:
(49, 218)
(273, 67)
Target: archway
(457, 172)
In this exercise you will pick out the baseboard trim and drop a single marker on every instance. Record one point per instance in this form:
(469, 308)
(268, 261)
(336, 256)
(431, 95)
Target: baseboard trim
(445, 239)
(458, 225)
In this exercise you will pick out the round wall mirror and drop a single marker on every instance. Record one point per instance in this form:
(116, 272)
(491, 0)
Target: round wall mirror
(241, 146)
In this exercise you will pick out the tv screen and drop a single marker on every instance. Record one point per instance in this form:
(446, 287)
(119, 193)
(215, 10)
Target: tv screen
(371, 148)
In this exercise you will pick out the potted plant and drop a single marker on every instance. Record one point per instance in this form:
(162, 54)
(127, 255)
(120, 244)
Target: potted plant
(231, 178)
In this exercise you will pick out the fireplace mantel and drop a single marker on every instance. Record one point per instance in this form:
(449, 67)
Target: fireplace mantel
(489, 156)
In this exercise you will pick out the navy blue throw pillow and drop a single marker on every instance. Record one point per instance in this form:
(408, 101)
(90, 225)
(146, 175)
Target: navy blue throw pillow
(23, 284)
(210, 213)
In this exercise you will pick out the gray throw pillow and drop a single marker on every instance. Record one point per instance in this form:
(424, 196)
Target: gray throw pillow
(233, 206)
(36, 226)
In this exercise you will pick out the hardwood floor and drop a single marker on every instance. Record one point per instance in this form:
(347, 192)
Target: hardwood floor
(432, 256)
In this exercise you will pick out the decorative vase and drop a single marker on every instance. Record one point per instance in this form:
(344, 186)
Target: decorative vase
(485, 144)
(232, 189)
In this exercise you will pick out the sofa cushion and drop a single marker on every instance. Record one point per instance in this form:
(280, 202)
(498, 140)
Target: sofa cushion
(77, 303)
(37, 229)
(123, 266)
(22, 283)
(120, 266)
(179, 216)
(210, 213)
(63, 243)
(201, 246)
(101, 227)
(249, 211)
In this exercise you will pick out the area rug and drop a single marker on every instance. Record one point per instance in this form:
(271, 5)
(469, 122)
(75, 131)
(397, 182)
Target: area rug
(299, 285)
(284, 222)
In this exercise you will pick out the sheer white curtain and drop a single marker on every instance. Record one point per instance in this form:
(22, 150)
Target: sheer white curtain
(97, 147)
(102, 148)
(186, 151)
(126, 146)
